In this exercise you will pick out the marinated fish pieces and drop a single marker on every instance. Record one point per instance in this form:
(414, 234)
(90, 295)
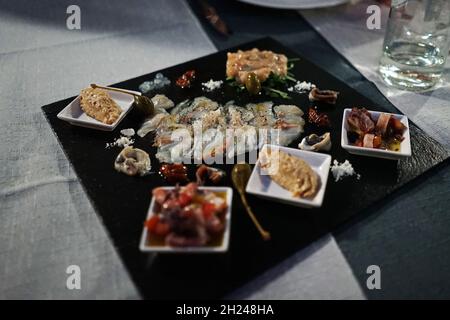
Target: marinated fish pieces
(261, 63)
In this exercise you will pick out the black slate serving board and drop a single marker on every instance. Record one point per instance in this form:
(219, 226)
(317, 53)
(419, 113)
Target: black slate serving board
(122, 201)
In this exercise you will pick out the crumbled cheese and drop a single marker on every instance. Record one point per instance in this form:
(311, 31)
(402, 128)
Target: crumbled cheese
(341, 170)
(159, 82)
(301, 86)
(120, 142)
(212, 85)
(127, 132)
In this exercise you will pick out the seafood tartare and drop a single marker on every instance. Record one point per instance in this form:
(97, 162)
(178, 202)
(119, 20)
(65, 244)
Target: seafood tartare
(262, 63)
(187, 217)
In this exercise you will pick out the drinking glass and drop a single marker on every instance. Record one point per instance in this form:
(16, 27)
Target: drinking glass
(416, 43)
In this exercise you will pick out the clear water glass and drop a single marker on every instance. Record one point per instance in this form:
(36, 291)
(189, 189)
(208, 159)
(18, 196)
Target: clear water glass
(416, 44)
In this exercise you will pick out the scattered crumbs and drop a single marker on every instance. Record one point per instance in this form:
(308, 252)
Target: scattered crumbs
(301, 86)
(120, 142)
(159, 82)
(128, 132)
(341, 170)
(212, 85)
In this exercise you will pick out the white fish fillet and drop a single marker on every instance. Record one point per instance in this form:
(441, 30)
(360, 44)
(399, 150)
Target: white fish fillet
(229, 129)
(151, 124)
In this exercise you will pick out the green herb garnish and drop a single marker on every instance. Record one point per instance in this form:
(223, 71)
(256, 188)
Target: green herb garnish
(276, 93)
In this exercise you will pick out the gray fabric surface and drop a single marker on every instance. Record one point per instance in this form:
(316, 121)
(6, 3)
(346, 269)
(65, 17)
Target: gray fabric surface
(408, 238)
(47, 220)
(345, 28)
(319, 271)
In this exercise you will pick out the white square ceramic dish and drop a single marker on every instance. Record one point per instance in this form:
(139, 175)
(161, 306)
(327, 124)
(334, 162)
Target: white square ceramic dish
(145, 247)
(405, 146)
(73, 113)
(263, 186)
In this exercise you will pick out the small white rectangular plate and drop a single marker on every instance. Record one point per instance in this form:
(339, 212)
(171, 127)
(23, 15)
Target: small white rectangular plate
(204, 249)
(263, 186)
(73, 113)
(405, 146)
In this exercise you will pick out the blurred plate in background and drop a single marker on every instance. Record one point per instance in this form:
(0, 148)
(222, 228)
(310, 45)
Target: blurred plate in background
(295, 4)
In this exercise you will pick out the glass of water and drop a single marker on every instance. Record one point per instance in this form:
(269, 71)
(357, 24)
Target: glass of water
(416, 44)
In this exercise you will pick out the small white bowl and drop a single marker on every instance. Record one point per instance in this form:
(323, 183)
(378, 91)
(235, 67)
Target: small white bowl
(262, 185)
(405, 146)
(73, 113)
(145, 247)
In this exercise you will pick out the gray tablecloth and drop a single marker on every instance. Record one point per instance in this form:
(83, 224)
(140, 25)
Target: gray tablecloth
(47, 222)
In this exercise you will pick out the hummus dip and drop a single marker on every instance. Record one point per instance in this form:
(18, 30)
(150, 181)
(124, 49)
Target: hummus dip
(97, 104)
(291, 173)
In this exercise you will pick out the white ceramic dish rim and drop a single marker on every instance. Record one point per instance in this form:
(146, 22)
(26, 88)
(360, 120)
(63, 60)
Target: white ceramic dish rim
(91, 122)
(296, 4)
(167, 249)
(287, 197)
(405, 146)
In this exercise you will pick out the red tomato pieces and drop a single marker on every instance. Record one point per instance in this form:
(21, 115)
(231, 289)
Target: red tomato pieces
(151, 223)
(184, 199)
(156, 226)
(208, 209)
(186, 79)
(162, 229)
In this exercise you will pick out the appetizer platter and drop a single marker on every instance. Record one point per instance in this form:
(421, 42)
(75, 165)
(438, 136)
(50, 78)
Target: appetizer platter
(186, 219)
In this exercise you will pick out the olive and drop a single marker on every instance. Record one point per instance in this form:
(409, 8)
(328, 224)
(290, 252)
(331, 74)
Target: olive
(252, 83)
(313, 139)
(144, 105)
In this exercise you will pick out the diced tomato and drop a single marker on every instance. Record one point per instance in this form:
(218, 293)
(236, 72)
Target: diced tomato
(151, 223)
(162, 229)
(184, 199)
(208, 209)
